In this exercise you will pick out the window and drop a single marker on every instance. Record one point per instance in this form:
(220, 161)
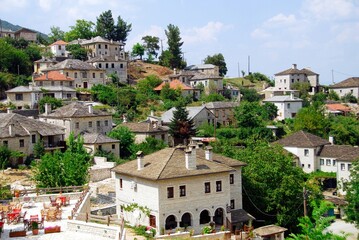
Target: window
(100, 147)
(98, 123)
(342, 166)
(90, 124)
(68, 95)
(93, 75)
(84, 74)
(71, 84)
(5, 143)
(100, 65)
(21, 143)
(334, 162)
(112, 65)
(288, 105)
(67, 74)
(182, 191)
(207, 187)
(41, 83)
(99, 46)
(121, 65)
(61, 83)
(349, 166)
(170, 192)
(75, 74)
(52, 83)
(218, 186)
(101, 75)
(33, 138)
(121, 183)
(18, 97)
(309, 166)
(77, 125)
(106, 123)
(328, 162)
(113, 146)
(302, 165)
(59, 47)
(292, 80)
(232, 204)
(106, 65)
(306, 152)
(231, 178)
(105, 46)
(321, 161)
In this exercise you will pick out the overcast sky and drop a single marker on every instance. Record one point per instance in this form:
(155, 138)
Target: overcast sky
(320, 34)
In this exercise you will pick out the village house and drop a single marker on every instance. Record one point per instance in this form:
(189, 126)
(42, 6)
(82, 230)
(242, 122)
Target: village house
(6, 33)
(185, 89)
(337, 109)
(284, 80)
(43, 63)
(187, 188)
(223, 111)
(288, 105)
(20, 133)
(84, 74)
(94, 142)
(317, 154)
(200, 115)
(143, 130)
(27, 34)
(347, 86)
(58, 48)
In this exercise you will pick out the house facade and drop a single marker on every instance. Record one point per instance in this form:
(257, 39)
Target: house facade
(285, 79)
(94, 142)
(185, 89)
(79, 119)
(20, 133)
(43, 64)
(166, 182)
(288, 106)
(347, 86)
(26, 34)
(58, 48)
(223, 111)
(147, 129)
(84, 74)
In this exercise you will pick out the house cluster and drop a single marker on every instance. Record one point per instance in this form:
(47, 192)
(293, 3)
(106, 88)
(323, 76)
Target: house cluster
(25, 33)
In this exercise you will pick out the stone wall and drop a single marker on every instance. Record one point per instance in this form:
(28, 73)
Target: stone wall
(94, 228)
(99, 174)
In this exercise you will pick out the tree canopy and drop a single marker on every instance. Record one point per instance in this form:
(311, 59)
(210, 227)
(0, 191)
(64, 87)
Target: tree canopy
(138, 50)
(217, 60)
(56, 34)
(181, 126)
(174, 47)
(106, 27)
(83, 29)
(122, 30)
(151, 45)
(127, 139)
(352, 196)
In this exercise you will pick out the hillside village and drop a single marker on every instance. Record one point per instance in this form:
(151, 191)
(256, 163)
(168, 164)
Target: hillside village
(114, 146)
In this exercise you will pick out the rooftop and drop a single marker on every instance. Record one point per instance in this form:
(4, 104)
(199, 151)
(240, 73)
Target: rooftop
(284, 98)
(75, 109)
(72, 64)
(174, 84)
(221, 104)
(349, 82)
(53, 76)
(97, 138)
(145, 127)
(302, 139)
(192, 112)
(59, 42)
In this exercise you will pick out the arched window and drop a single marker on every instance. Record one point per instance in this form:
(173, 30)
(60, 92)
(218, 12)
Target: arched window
(171, 222)
(186, 220)
(204, 217)
(218, 216)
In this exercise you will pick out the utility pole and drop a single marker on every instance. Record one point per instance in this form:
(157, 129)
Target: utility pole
(333, 76)
(305, 197)
(249, 65)
(239, 73)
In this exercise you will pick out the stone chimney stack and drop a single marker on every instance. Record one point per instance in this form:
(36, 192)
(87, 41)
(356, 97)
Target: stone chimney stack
(11, 130)
(140, 164)
(208, 153)
(294, 66)
(190, 160)
(47, 108)
(90, 107)
(152, 113)
(331, 140)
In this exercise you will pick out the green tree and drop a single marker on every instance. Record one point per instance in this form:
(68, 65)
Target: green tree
(311, 119)
(122, 30)
(138, 50)
(151, 44)
(39, 149)
(352, 196)
(165, 59)
(174, 46)
(168, 93)
(249, 115)
(150, 145)
(14, 60)
(77, 51)
(217, 60)
(147, 85)
(5, 154)
(315, 227)
(54, 102)
(345, 130)
(332, 95)
(56, 34)
(127, 139)
(213, 97)
(83, 29)
(181, 127)
(270, 111)
(303, 88)
(249, 94)
(105, 94)
(349, 98)
(105, 25)
(257, 77)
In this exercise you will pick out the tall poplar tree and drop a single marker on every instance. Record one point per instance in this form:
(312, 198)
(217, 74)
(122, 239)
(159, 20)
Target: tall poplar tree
(174, 46)
(122, 30)
(105, 25)
(181, 126)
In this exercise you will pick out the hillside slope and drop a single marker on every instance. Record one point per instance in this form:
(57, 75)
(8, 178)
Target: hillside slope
(138, 70)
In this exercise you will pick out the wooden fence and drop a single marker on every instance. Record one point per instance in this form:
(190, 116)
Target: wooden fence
(55, 190)
(108, 220)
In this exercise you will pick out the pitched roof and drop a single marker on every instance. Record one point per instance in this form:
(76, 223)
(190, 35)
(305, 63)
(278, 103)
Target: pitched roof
(289, 71)
(73, 64)
(284, 98)
(75, 109)
(26, 89)
(59, 42)
(192, 113)
(342, 152)
(53, 76)
(201, 76)
(302, 139)
(105, 59)
(169, 163)
(174, 84)
(44, 60)
(144, 127)
(349, 82)
(25, 30)
(221, 104)
(269, 230)
(337, 107)
(23, 126)
(19, 89)
(93, 40)
(97, 138)
(200, 66)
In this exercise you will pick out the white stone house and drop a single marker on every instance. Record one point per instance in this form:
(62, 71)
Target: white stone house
(200, 115)
(94, 142)
(20, 133)
(288, 105)
(58, 48)
(285, 79)
(181, 187)
(348, 86)
(79, 119)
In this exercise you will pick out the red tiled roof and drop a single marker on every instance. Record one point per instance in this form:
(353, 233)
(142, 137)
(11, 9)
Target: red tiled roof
(53, 76)
(337, 107)
(59, 42)
(175, 84)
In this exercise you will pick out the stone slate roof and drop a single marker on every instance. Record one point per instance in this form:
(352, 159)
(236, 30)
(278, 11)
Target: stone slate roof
(269, 230)
(200, 66)
(240, 215)
(201, 76)
(290, 71)
(144, 127)
(192, 113)
(302, 139)
(347, 83)
(340, 152)
(26, 89)
(105, 59)
(72, 64)
(169, 163)
(19, 89)
(73, 110)
(44, 60)
(284, 98)
(97, 39)
(221, 104)
(97, 138)
(23, 126)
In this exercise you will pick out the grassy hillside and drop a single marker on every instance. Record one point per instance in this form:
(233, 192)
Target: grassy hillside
(242, 82)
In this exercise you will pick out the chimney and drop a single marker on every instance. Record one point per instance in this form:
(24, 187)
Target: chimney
(208, 153)
(331, 140)
(90, 107)
(140, 164)
(11, 130)
(190, 161)
(31, 86)
(174, 71)
(8, 110)
(294, 66)
(291, 95)
(47, 108)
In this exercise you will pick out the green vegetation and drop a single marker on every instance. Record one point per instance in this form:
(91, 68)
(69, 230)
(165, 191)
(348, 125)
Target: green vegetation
(352, 197)
(172, 57)
(54, 102)
(181, 126)
(217, 60)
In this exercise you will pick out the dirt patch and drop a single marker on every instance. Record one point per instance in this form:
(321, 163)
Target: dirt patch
(138, 70)
(16, 176)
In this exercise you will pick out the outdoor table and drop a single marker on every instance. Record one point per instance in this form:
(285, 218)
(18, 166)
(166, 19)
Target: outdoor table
(63, 200)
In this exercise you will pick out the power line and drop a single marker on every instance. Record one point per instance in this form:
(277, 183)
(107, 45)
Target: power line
(346, 74)
(270, 215)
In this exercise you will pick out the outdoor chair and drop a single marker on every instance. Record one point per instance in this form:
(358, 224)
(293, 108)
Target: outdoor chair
(51, 215)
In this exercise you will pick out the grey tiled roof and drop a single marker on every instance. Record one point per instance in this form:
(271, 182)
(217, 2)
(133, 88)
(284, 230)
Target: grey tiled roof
(169, 163)
(302, 139)
(23, 126)
(97, 138)
(349, 82)
(192, 112)
(221, 104)
(284, 98)
(75, 109)
(144, 127)
(73, 64)
(296, 71)
(342, 152)
(26, 89)
(105, 59)
(200, 66)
